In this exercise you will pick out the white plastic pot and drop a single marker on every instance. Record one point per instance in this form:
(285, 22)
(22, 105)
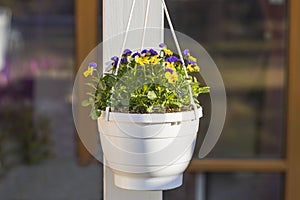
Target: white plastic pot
(148, 151)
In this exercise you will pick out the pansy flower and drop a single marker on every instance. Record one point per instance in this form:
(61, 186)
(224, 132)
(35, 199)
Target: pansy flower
(90, 69)
(127, 52)
(179, 61)
(135, 54)
(141, 60)
(165, 49)
(196, 68)
(144, 51)
(154, 59)
(171, 77)
(168, 52)
(146, 60)
(172, 59)
(152, 52)
(93, 64)
(193, 68)
(190, 62)
(192, 58)
(115, 59)
(124, 61)
(170, 65)
(186, 52)
(162, 45)
(169, 70)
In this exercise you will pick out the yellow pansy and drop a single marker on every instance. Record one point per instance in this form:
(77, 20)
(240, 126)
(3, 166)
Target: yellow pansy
(196, 68)
(170, 65)
(168, 52)
(142, 60)
(190, 68)
(154, 60)
(193, 68)
(88, 72)
(171, 77)
(192, 58)
(139, 60)
(146, 60)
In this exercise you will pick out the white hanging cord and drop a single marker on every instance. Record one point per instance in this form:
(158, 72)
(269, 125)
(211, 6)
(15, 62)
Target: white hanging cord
(180, 55)
(174, 36)
(145, 24)
(143, 40)
(126, 35)
(122, 49)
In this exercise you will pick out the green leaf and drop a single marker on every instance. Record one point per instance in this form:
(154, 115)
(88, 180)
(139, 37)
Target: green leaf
(151, 95)
(85, 103)
(204, 90)
(91, 85)
(125, 102)
(91, 100)
(91, 94)
(93, 115)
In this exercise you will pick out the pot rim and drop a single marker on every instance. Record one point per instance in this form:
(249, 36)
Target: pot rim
(151, 117)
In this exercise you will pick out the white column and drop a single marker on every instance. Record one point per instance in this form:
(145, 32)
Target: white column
(5, 20)
(115, 18)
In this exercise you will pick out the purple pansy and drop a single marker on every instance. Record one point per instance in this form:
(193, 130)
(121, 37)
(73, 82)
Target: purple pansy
(139, 67)
(124, 61)
(153, 52)
(135, 54)
(169, 70)
(190, 62)
(115, 58)
(127, 52)
(93, 64)
(186, 52)
(171, 59)
(162, 45)
(144, 51)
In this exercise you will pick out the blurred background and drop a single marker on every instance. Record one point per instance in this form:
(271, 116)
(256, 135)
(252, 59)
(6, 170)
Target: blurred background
(40, 155)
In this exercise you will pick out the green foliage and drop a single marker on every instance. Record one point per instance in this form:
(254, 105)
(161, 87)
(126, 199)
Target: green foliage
(153, 98)
(147, 83)
(23, 136)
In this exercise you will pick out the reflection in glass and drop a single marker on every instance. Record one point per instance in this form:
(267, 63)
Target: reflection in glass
(5, 20)
(37, 77)
(247, 40)
(228, 186)
(37, 140)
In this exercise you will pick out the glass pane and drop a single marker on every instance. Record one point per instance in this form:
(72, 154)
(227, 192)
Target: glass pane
(247, 40)
(37, 138)
(228, 186)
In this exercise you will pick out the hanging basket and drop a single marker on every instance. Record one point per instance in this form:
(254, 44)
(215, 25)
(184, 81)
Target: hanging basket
(148, 151)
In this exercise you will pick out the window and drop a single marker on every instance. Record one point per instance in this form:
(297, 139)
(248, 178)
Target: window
(38, 157)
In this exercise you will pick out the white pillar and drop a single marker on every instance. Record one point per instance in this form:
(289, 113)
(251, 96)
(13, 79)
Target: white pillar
(5, 20)
(115, 18)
